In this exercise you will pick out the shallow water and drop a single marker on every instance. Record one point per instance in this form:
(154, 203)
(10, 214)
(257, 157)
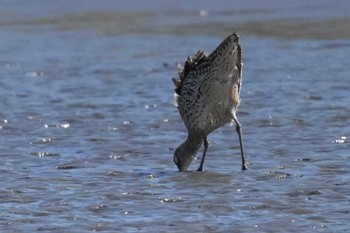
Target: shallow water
(88, 127)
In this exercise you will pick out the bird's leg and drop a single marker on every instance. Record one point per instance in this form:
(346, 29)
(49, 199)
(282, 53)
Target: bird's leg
(239, 131)
(203, 156)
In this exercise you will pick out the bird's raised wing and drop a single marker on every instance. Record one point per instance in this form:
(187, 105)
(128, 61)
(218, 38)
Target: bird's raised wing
(190, 78)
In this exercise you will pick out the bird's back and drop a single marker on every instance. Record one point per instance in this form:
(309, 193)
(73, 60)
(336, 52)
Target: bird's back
(207, 90)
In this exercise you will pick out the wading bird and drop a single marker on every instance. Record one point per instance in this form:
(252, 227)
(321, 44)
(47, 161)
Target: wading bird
(207, 97)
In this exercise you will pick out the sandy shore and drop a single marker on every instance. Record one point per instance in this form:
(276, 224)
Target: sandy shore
(287, 29)
(118, 23)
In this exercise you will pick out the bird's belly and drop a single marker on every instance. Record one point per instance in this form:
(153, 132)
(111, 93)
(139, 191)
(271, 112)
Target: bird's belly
(211, 111)
(215, 116)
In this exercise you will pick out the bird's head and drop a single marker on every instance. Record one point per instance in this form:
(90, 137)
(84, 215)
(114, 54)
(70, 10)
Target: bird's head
(183, 157)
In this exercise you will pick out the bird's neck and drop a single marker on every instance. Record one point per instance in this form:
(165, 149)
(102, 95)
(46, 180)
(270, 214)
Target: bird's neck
(193, 143)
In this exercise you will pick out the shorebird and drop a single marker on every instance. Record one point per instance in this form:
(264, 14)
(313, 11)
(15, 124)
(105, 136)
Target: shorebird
(207, 97)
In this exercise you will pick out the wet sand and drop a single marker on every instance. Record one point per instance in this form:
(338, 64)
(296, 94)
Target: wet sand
(204, 22)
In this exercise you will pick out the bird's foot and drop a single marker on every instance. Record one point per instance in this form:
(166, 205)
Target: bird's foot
(244, 167)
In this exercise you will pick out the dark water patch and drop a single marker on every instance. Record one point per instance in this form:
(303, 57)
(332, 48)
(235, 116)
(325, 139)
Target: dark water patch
(98, 208)
(304, 159)
(69, 166)
(312, 97)
(83, 105)
(275, 175)
(334, 45)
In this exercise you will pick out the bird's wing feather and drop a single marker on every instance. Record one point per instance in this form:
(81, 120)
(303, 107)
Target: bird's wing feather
(189, 79)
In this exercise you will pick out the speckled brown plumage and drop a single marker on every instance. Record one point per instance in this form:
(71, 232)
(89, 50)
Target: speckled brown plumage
(207, 97)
